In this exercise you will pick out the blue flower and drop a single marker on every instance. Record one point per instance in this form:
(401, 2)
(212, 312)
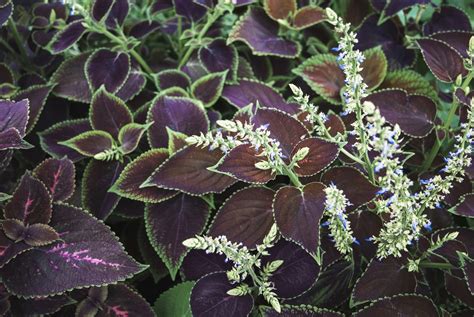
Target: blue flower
(336, 49)
(383, 190)
(326, 224)
(379, 167)
(354, 240)
(425, 181)
(428, 227)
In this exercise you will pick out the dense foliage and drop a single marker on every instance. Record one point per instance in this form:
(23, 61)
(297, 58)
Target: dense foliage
(236, 158)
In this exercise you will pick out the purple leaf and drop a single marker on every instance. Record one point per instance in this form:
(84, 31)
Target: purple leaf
(113, 12)
(444, 61)
(11, 139)
(51, 138)
(245, 217)
(209, 298)
(171, 222)
(446, 19)
(159, 5)
(459, 40)
(415, 114)
(88, 254)
(136, 172)
(400, 305)
(58, 177)
(97, 180)
(39, 306)
(198, 263)
(247, 92)
(67, 37)
(124, 301)
(14, 229)
(108, 113)
(90, 143)
(298, 311)
(208, 88)
(5, 13)
(457, 287)
(308, 16)
(466, 207)
(189, 10)
(144, 28)
(356, 186)
(177, 113)
(240, 164)
(134, 84)
(384, 278)
(36, 96)
(9, 249)
(187, 171)
(219, 57)
(298, 212)
(39, 234)
(173, 78)
(260, 33)
(289, 136)
(30, 203)
(279, 9)
(130, 136)
(393, 7)
(108, 68)
(14, 114)
(70, 80)
(321, 155)
(297, 273)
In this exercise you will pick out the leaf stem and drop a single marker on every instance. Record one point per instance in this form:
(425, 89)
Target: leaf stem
(436, 265)
(19, 42)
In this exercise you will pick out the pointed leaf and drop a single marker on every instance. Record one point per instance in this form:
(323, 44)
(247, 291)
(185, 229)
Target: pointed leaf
(459, 40)
(188, 9)
(122, 300)
(51, 138)
(30, 203)
(14, 229)
(90, 143)
(134, 84)
(308, 16)
(279, 9)
(36, 96)
(240, 164)
(260, 33)
(11, 139)
(175, 301)
(177, 113)
(466, 207)
(198, 263)
(171, 222)
(70, 79)
(443, 61)
(447, 18)
(108, 68)
(58, 177)
(98, 178)
(217, 56)
(321, 155)
(88, 254)
(108, 113)
(415, 114)
(39, 306)
(400, 305)
(208, 88)
(14, 114)
(112, 12)
(245, 217)
(137, 172)
(209, 298)
(298, 212)
(40, 234)
(173, 78)
(410, 81)
(130, 136)
(176, 140)
(67, 37)
(9, 249)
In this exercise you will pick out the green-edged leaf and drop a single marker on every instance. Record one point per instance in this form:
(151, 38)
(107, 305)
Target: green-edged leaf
(209, 88)
(410, 81)
(130, 135)
(90, 143)
(175, 301)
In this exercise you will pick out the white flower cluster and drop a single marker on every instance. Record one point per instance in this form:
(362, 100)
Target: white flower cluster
(244, 263)
(339, 226)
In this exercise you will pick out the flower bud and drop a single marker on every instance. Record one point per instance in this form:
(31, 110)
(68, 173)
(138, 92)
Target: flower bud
(263, 165)
(332, 16)
(301, 154)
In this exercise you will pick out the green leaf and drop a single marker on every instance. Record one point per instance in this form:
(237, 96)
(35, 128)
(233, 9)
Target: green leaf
(175, 301)
(410, 81)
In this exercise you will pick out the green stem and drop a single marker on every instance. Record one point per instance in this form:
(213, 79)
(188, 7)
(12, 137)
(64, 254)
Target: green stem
(293, 177)
(18, 40)
(434, 265)
(365, 154)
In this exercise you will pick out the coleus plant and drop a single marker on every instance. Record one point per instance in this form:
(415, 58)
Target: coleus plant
(236, 157)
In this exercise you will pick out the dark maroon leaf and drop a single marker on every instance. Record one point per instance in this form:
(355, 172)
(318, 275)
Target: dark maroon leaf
(108, 113)
(14, 114)
(247, 92)
(209, 298)
(51, 138)
(466, 207)
(217, 56)
(279, 9)
(5, 13)
(39, 306)
(11, 139)
(308, 16)
(136, 172)
(188, 9)
(187, 171)
(156, 266)
(245, 217)
(364, 225)
(446, 19)
(198, 263)
(298, 271)
(67, 37)
(298, 311)
(444, 61)
(39, 234)
(173, 78)
(177, 113)
(415, 114)
(58, 177)
(130, 136)
(353, 183)
(133, 85)
(400, 305)
(90, 143)
(113, 12)
(459, 40)
(468, 270)
(260, 33)
(144, 28)
(393, 7)
(159, 5)
(98, 178)
(46, 9)
(457, 191)
(240, 164)
(9, 249)
(6, 74)
(289, 136)
(14, 229)
(298, 212)
(391, 39)
(171, 222)
(36, 96)
(70, 79)
(108, 68)
(30, 203)
(88, 255)
(208, 88)
(384, 278)
(123, 301)
(321, 155)
(457, 287)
